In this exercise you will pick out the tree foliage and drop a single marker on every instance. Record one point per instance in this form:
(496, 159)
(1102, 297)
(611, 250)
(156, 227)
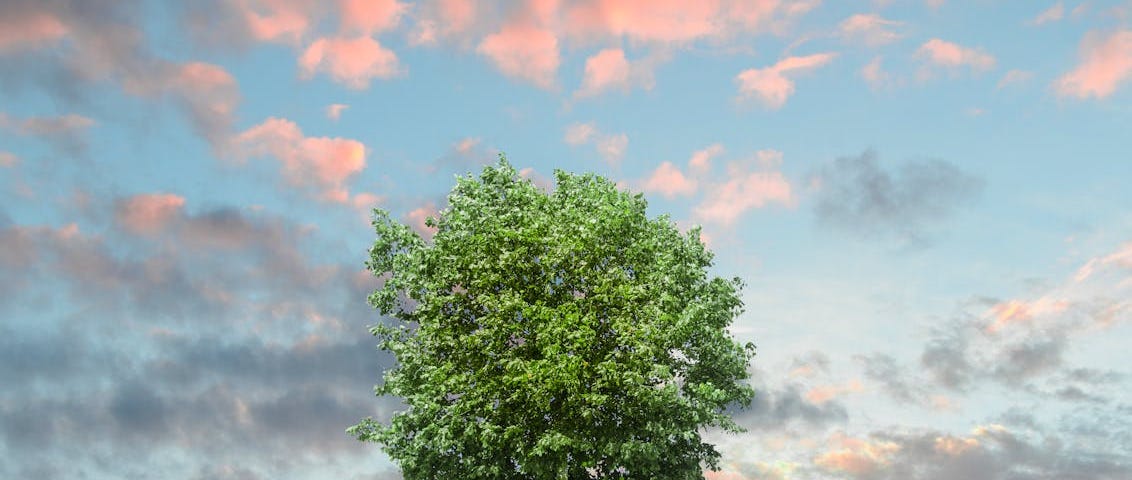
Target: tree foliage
(562, 335)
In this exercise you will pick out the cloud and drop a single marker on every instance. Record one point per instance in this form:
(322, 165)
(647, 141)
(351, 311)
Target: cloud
(896, 380)
(441, 19)
(334, 110)
(237, 22)
(701, 159)
(779, 406)
(1052, 14)
(353, 62)
(579, 133)
(464, 155)
(99, 43)
(674, 22)
(989, 451)
(418, 216)
(870, 29)
(367, 17)
(875, 75)
(611, 147)
(669, 181)
(147, 214)
(751, 183)
(319, 165)
(773, 85)
(8, 159)
(259, 347)
(207, 93)
(525, 52)
(1106, 63)
(856, 195)
(954, 56)
(66, 133)
(1015, 77)
(856, 457)
(1017, 341)
(28, 29)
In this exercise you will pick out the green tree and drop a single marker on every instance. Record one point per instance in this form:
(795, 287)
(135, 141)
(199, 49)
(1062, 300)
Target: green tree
(562, 335)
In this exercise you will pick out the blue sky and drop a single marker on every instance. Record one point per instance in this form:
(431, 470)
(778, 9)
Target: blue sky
(927, 199)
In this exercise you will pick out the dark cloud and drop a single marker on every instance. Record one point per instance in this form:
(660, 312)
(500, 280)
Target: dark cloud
(945, 358)
(895, 380)
(218, 335)
(858, 195)
(776, 409)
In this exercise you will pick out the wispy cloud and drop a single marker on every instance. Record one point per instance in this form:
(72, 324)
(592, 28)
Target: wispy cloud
(773, 85)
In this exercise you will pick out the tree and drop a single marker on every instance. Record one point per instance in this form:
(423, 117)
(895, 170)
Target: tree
(543, 336)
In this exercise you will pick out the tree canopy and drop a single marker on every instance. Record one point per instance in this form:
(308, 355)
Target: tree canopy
(559, 335)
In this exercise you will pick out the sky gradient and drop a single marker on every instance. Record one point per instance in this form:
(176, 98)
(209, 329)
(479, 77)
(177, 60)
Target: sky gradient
(929, 202)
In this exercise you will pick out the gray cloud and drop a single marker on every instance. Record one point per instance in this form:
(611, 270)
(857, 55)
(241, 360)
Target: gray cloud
(105, 45)
(895, 380)
(858, 195)
(66, 133)
(218, 336)
(779, 408)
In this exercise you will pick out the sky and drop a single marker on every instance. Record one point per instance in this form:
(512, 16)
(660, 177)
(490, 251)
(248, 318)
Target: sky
(928, 201)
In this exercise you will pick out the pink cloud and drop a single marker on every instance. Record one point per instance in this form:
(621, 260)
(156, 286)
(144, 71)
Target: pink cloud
(701, 159)
(366, 17)
(1106, 63)
(442, 19)
(45, 126)
(579, 133)
(350, 61)
(667, 21)
(605, 70)
(8, 159)
(1014, 77)
(870, 29)
(209, 94)
(612, 147)
(669, 181)
(744, 189)
(419, 215)
(856, 456)
(466, 145)
(206, 92)
(524, 51)
(31, 30)
(753, 14)
(772, 85)
(875, 75)
(824, 393)
(147, 214)
(1052, 14)
(65, 132)
(319, 164)
(284, 21)
(366, 201)
(951, 55)
(334, 110)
